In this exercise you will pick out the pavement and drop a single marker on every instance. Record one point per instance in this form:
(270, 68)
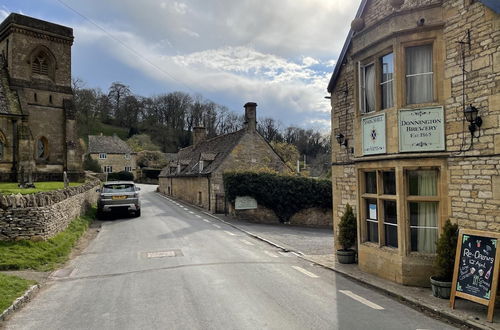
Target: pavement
(316, 245)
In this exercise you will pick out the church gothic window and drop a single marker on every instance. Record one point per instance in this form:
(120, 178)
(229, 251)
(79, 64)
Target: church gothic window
(42, 151)
(40, 64)
(2, 145)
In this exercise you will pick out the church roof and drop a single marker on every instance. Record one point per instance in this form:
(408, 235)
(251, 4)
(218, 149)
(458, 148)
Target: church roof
(108, 144)
(212, 151)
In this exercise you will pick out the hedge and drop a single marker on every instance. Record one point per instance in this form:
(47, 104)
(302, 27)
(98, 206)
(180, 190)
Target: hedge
(121, 176)
(285, 195)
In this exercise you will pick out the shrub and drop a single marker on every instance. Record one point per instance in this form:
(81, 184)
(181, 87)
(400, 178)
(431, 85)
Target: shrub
(445, 251)
(347, 228)
(121, 176)
(285, 195)
(90, 164)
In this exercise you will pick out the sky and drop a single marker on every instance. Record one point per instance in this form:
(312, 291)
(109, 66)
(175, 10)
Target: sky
(277, 53)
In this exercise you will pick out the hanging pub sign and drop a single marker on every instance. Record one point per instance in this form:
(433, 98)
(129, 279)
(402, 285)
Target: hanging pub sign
(421, 129)
(373, 134)
(475, 276)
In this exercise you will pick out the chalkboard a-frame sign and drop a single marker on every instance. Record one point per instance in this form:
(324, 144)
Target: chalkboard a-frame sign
(475, 276)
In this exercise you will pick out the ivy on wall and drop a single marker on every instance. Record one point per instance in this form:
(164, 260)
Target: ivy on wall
(285, 195)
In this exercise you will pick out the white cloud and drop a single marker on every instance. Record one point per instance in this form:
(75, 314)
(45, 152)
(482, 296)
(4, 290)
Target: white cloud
(190, 33)
(4, 13)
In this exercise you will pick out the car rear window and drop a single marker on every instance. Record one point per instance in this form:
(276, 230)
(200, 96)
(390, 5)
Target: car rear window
(118, 188)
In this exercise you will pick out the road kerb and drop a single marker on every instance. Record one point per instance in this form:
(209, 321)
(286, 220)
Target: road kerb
(19, 302)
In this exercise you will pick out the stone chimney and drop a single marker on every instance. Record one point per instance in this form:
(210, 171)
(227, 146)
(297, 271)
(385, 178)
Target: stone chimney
(251, 115)
(199, 134)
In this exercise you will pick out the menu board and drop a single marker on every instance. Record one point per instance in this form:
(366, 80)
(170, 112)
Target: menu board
(477, 259)
(475, 276)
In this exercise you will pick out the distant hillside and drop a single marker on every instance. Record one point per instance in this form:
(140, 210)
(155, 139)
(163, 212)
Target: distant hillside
(98, 128)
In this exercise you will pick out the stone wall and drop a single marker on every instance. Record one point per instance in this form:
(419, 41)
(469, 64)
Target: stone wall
(311, 217)
(43, 215)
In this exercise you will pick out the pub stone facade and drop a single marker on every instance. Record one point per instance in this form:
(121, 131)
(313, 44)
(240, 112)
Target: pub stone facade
(195, 176)
(38, 138)
(415, 99)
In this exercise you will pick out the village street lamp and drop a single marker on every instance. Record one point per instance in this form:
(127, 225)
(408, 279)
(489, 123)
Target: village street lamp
(470, 113)
(341, 140)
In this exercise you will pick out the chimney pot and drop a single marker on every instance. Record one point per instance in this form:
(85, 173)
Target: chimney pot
(199, 134)
(251, 115)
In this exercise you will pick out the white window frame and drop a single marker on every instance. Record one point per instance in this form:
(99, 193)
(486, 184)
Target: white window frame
(127, 156)
(128, 168)
(362, 86)
(103, 155)
(382, 83)
(108, 169)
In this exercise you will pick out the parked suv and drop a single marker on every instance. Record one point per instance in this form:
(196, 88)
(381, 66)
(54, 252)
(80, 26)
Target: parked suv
(118, 195)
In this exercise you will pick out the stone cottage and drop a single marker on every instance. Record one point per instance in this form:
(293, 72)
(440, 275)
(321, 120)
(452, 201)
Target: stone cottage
(112, 153)
(196, 174)
(415, 99)
(37, 121)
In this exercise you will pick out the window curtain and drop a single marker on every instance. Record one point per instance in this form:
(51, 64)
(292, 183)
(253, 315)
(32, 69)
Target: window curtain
(427, 212)
(370, 88)
(419, 76)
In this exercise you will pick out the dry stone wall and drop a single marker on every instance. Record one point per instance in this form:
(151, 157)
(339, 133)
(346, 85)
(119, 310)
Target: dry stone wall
(42, 215)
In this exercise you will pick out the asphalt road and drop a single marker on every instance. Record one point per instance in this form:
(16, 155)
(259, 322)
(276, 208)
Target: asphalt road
(177, 268)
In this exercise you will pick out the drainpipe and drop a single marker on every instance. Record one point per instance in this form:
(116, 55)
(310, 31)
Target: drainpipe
(15, 146)
(209, 194)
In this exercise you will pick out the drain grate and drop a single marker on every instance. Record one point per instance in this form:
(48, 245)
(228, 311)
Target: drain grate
(162, 254)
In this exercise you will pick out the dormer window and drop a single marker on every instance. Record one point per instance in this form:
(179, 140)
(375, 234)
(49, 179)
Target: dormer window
(40, 64)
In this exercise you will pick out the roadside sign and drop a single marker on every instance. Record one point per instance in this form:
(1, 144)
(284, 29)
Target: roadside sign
(475, 277)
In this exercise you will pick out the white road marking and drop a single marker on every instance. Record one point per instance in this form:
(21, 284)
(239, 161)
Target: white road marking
(206, 220)
(216, 226)
(229, 233)
(199, 216)
(246, 242)
(270, 254)
(191, 212)
(361, 300)
(303, 271)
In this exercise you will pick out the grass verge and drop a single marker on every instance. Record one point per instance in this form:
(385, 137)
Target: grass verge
(8, 188)
(12, 287)
(44, 255)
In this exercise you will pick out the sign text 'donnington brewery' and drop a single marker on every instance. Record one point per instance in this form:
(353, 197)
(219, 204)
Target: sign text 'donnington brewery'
(421, 130)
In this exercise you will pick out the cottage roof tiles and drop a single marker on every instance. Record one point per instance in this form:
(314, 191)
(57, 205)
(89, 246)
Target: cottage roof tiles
(108, 144)
(213, 151)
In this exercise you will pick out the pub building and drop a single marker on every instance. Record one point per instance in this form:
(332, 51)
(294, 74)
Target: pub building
(415, 98)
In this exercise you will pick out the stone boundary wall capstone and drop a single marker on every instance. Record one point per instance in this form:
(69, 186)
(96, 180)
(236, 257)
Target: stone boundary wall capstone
(42, 215)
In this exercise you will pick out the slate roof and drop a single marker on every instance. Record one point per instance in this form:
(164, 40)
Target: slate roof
(213, 151)
(9, 102)
(108, 144)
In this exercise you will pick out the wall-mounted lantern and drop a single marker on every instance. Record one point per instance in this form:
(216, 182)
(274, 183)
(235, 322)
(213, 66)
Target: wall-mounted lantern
(341, 139)
(471, 115)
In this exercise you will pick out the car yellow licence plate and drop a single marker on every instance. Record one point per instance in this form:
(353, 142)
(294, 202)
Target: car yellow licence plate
(119, 197)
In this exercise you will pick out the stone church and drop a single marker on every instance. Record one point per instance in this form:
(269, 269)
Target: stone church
(38, 138)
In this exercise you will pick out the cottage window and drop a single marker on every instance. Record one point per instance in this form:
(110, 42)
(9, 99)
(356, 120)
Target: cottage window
(42, 148)
(127, 156)
(103, 155)
(423, 206)
(108, 169)
(419, 75)
(387, 79)
(128, 169)
(379, 198)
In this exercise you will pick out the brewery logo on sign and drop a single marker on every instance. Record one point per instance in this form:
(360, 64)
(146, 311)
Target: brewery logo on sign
(373, 134)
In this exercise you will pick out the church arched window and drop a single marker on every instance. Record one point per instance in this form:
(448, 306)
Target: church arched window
(42, 148)
(40, 63)
(2, 146)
